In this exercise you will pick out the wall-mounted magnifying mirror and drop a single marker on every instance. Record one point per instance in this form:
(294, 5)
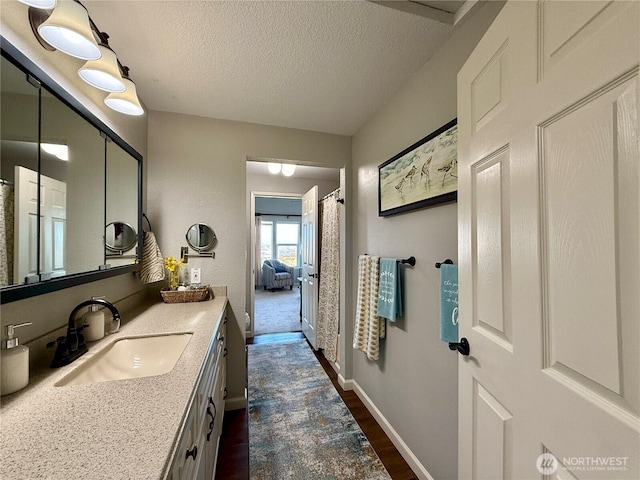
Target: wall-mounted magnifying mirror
(201, 237)
(120, 237)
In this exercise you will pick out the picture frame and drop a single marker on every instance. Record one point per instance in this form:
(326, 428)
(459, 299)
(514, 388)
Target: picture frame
(423, 175)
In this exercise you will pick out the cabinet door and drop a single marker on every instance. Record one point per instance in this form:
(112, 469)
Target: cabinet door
(198, 448)
(187, 452)
(217, 406)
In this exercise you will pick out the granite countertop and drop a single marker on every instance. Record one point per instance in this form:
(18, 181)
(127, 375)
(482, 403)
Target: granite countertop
(122, 429)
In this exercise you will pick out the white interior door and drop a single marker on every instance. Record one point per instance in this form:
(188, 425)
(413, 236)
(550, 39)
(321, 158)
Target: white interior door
(25, 249)
(549, 221)
(309, 264)
(53, 215)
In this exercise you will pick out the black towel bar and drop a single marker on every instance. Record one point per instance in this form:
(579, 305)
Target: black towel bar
(448, 261)
(410, 261)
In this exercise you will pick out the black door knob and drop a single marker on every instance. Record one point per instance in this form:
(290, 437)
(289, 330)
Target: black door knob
(463, 347)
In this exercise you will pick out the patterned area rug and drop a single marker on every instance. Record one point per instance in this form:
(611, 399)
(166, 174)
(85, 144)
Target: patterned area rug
(277, 312)
(299, 427)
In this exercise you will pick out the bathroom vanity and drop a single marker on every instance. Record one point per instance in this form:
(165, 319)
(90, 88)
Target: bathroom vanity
(163, 426)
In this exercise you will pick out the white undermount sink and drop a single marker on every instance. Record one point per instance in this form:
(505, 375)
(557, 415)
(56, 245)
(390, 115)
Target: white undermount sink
(130, 357)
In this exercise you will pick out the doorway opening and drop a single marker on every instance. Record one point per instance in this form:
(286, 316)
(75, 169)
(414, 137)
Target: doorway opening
(278, 234)
(278, 254)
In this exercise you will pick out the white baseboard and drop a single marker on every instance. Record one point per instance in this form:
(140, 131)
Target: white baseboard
(235, 403)
(402, 447)
(345, 384)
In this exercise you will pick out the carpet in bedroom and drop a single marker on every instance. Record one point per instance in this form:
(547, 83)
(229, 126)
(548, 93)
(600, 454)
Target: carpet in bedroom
(277, 312)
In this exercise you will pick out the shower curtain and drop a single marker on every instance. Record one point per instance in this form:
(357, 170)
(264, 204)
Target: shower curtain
(328, 321)
(6, 235)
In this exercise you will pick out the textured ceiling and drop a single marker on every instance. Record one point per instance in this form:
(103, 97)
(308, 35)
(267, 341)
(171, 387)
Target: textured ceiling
(316, 65)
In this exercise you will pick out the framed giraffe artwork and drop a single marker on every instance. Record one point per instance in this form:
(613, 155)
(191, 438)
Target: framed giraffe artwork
(423, 175)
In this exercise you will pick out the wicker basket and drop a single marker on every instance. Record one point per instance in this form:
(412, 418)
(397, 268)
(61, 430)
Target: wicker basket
(185, 296)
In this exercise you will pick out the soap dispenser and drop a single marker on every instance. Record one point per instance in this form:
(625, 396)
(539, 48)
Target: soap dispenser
(15, 363)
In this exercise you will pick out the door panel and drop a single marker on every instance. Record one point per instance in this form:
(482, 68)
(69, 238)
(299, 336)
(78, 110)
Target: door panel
(26, 225)
(549, 221)
(581, 219)
(563, 28)
(492, 428)
(491, 256)
(53, 215)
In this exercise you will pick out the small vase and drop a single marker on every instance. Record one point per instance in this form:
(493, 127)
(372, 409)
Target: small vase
(174, 279)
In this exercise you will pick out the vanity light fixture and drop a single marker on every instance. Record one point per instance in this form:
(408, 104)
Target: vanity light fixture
(68, 30)
(274, 167)
(125, 102)
(288, 169)
(103, 73)
(46, 4)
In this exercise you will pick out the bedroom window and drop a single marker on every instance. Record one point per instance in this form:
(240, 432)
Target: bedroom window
(287, 238)
(281, 240)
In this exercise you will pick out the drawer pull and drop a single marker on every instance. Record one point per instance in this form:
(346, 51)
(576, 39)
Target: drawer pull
(225, 352)
(224, 395)
(193, 452)
(221, 338)
(225, 321)
(213, 418)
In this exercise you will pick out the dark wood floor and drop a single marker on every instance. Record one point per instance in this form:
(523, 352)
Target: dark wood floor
(233, 454)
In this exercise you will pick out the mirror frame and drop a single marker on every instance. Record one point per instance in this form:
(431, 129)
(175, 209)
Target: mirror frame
(207, 247)
(112, 248)
(14, 293)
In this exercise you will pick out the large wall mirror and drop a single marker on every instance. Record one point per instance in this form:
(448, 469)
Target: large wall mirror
(60, 164)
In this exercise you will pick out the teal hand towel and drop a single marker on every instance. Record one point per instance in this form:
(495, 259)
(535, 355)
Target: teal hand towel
(449, 303)
(390, 290)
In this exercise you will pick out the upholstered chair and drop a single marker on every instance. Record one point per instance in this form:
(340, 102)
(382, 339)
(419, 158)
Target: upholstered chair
(276, 274)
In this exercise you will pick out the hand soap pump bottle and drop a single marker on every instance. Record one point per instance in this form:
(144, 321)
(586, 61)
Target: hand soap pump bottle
(15, 363)
(94, 323)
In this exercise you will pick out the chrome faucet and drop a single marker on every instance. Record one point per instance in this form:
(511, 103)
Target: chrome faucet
(72, 346)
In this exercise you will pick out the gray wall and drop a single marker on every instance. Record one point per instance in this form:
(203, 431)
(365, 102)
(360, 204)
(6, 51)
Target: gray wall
(49, 312)
(197, 173)
(414, 383)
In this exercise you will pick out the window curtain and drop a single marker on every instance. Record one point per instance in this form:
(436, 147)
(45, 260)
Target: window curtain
(258, 247)
(328, 321)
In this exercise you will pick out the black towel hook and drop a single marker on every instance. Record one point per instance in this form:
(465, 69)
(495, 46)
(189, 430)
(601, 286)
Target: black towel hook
(144, 215)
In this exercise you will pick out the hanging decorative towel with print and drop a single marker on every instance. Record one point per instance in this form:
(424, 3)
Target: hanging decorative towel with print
(449, 303)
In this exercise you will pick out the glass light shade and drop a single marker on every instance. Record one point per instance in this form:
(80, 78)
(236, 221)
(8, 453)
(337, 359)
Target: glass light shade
(59, 150)
(288, 169)
(46, 4)
(125, 102)
(104, 72)
(274, 167)
(67, 29)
